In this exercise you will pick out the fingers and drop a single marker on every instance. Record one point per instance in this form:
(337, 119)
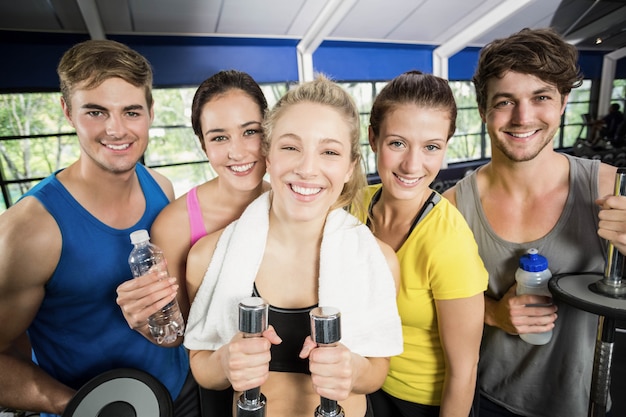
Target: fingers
(527, 313)
(307, 347)
(533, 300)
(141, 297)
(271, 335)
(247, 361)
(331, 371)
(612, 202)
(612, 220)
(533, 314)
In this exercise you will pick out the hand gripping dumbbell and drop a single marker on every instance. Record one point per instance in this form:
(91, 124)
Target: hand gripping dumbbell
(613, 283)
(326, 331)
(253, 322)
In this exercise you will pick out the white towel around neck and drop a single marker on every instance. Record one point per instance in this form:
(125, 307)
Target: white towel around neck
(354, 277)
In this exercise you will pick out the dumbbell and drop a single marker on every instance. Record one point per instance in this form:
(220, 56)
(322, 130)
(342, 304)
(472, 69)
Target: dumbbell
(326, 331)
(253, 321)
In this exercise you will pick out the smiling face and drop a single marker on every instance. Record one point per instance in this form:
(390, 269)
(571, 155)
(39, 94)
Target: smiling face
(309, 160)
(232, 133)
(410, 149)
(112, 122)
(522, 115)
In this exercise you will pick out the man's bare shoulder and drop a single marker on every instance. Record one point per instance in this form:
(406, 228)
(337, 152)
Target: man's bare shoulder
(450, 195)
(164, 183)
(606, 180)
(30, 241)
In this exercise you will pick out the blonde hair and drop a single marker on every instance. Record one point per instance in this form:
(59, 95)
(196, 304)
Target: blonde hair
(326, 92)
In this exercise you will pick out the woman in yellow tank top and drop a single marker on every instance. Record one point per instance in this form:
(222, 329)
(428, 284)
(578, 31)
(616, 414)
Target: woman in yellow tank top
(442, 276)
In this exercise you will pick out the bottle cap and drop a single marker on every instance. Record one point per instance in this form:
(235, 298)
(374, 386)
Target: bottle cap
(531, 261)
(139, 236)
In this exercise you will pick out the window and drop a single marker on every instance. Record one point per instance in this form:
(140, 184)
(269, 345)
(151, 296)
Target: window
(36, 140)
(573, 126)
(468, 142)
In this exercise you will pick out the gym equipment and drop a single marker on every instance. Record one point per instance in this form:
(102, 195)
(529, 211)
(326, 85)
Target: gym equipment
(605, 297)
(253, 321)
(123, 392)
(326, 331)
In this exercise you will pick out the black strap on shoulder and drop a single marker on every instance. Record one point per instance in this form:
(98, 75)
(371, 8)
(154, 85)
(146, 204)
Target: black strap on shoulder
(428, 205)
(430, 202)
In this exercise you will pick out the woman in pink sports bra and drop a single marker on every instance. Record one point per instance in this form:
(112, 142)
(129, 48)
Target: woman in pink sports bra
(226, 116)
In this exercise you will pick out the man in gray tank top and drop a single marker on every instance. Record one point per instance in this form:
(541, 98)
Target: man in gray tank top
(530, 196)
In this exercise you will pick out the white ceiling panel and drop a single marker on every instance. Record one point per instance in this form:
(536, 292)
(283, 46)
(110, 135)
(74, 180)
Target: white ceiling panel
(463, 15)
(537, 14)
(374, 19)
(39, 12)
(303, 20)
(175, 17)
(432, 22)
(115, 15)
(262, 17)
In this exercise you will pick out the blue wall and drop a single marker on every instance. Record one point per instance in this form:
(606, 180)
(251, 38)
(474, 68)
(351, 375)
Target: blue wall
(370, 61)
(29, 59)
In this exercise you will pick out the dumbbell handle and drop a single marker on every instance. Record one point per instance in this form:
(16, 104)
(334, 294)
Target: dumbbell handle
(326, 331)
(253, 321)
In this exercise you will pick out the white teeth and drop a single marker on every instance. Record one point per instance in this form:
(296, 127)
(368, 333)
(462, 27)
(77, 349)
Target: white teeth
(242, 168)
(406, 181)
(305, 190)
(118, 147)
(523, 135)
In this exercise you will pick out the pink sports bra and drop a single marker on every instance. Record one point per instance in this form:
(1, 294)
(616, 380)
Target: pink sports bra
(196, 223)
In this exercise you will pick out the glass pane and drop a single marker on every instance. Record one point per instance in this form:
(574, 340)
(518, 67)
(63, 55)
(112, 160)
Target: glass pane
(362, 93)
(184, 177)
(582, 93)
(379, 86)
(463, 147)
(172, 106)
(464, 94)
(37, 157)
(570, 135)
(468, 121)
(273, 92)
(173, 145)
(369, 158)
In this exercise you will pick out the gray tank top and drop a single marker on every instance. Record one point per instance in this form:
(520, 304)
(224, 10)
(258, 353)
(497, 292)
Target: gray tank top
(553, 379)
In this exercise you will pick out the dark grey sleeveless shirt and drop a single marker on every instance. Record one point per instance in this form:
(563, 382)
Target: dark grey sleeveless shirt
(553, 379)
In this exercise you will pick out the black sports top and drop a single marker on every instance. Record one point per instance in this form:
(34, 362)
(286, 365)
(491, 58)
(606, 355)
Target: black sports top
(293, 326)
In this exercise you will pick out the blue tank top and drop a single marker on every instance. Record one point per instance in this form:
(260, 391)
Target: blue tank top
(79, 330)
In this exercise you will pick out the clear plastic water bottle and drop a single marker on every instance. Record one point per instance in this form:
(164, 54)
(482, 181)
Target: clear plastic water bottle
(165, 325)
(532, 277)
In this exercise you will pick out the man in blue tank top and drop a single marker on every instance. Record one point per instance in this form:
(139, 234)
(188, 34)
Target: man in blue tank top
(65, 284)
(530, 196)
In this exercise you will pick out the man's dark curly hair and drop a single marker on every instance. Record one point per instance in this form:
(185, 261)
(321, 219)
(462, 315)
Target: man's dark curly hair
(539, 52)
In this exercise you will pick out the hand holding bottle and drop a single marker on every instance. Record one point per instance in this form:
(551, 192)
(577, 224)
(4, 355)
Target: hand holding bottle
(520, 314)
(149, 268)
(532, 277)
(139, 298)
